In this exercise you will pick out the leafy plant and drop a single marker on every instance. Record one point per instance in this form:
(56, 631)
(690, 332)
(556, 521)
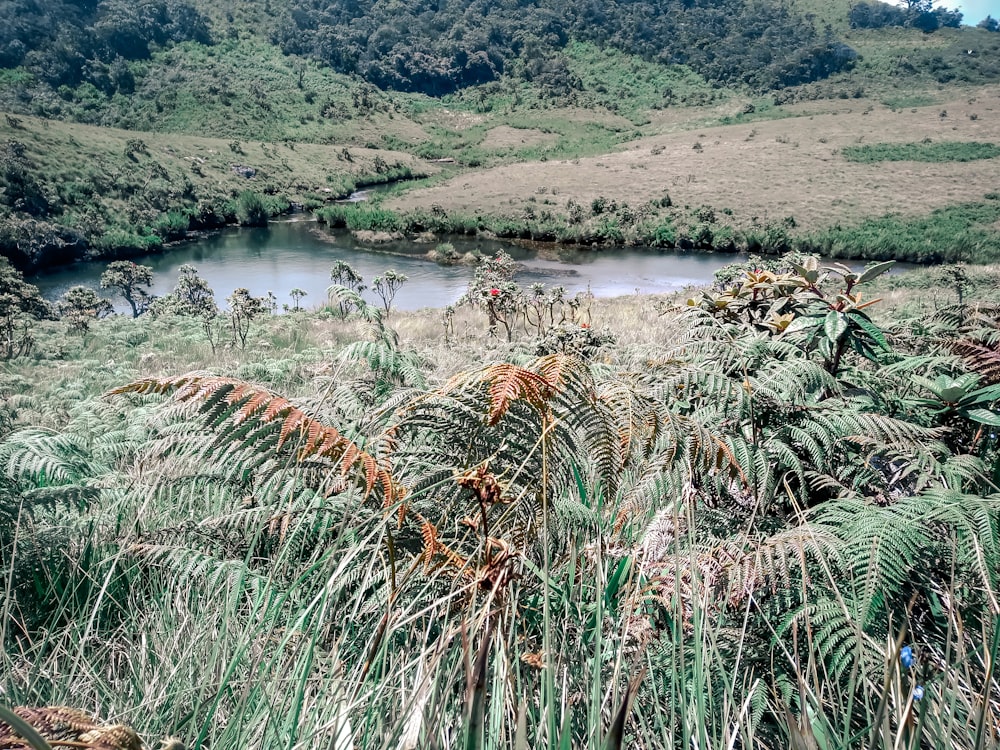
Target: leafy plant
(128, 279)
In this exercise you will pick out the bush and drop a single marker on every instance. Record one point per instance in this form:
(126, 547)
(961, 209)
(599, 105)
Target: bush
(172, 225)
(252, 209)
(119, 241)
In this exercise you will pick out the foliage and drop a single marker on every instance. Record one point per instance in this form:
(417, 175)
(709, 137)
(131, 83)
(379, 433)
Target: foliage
(965, 233)
(128, 279)
(244, 308)
(20, 304)
(794, 303)
(387, 285)
(941, 151)
(80, 305)
(919, 15)
(68, 43)
(251, 209)
(344, 275)
(449, 48)
(721, 540)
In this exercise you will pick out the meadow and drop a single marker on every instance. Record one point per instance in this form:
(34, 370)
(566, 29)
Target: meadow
(758, 515)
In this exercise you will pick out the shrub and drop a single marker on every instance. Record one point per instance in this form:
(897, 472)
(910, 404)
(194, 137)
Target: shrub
(251, 209)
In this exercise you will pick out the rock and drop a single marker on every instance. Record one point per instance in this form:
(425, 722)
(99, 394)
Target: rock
(244, 171)
(376, 238)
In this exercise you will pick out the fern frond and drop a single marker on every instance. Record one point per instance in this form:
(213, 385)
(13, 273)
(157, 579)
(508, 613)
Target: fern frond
(245, 415)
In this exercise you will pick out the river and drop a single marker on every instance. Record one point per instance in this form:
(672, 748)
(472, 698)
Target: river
(299, 253)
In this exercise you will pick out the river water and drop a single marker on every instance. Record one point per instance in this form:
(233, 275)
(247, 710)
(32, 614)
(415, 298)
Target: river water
(299, 253)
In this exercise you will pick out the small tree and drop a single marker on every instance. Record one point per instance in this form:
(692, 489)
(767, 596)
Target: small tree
(957, 278)
(128, 279)
(387, 285)
(80, 305)
(193, 295)
(343, 274)
(494, 291)
(297, 294)
(243, 308)
(20, 305)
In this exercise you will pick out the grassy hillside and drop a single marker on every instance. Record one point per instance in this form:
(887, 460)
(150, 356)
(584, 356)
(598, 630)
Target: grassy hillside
(118, 190)
(782, 175)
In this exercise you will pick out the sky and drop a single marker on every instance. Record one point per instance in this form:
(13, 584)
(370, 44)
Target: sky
(974, 10)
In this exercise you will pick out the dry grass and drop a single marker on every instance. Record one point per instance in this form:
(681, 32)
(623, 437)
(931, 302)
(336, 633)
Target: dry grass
(504, 137)
(764, 169)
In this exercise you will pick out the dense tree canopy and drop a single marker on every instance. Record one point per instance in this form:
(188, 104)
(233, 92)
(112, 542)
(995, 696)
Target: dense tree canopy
(436, 47)
(65, 43)
(916, 13)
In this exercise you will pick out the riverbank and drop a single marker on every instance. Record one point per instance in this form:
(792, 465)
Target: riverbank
(76, 192)
(968, 232)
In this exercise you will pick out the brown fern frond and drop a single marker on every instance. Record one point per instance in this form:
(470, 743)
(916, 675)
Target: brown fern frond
(428, 532)
(979, 358)
(243, 404)
(509, 383)
(506, 384)
(563, 372)
(453, 560)
(61, 725)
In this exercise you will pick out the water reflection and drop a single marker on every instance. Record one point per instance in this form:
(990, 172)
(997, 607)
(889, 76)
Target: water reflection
(299, 254)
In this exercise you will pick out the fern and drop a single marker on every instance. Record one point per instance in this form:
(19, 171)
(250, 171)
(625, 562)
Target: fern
(251, 414)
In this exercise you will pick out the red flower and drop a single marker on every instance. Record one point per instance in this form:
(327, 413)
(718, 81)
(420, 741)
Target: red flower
(585, 325)
(494, 292)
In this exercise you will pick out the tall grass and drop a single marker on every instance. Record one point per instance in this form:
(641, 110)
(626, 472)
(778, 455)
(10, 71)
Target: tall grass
(185, 598)
(959, 233)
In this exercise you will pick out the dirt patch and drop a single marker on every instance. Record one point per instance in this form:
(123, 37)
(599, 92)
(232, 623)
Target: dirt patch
(767, 170)
(504, 137)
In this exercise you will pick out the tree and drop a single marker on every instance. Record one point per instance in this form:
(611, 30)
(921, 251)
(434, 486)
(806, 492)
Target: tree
(989, 23)
(297, 295)
(80, 305)
(343, 275)
(243, 308)
(128, 279)
(193, 295)
(18, 187)
(20, 304)
(494, 290)
(387, 285)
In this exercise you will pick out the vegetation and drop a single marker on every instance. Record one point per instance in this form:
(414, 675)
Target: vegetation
(68, 192)
(450, 47)
(962, 233)
(766, 514)
(966, 232)
(940, 151)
